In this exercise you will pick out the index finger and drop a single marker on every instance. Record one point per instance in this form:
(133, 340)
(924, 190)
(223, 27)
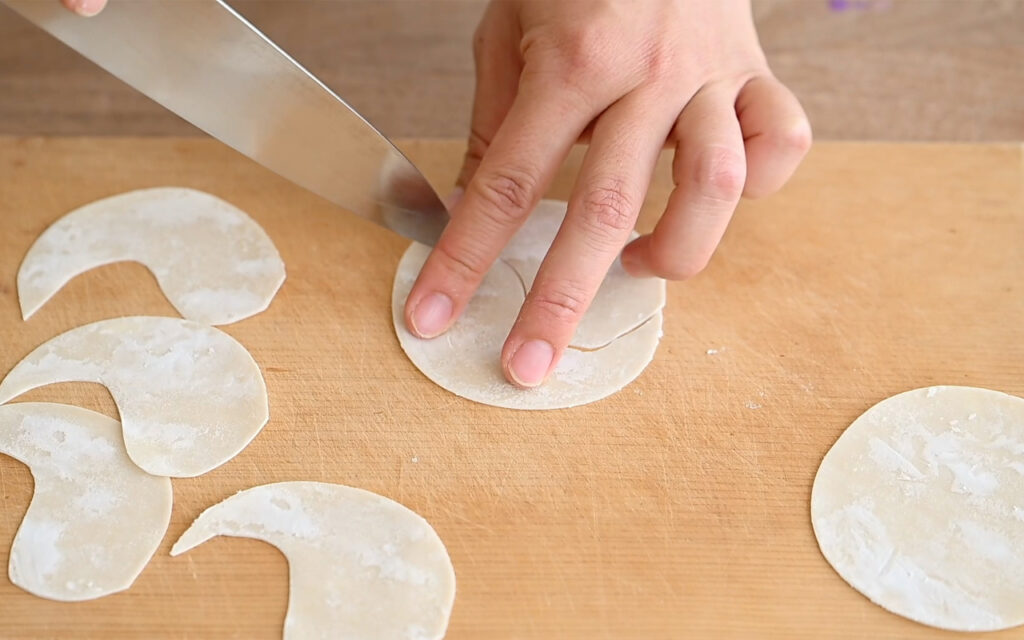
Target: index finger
(528, 148)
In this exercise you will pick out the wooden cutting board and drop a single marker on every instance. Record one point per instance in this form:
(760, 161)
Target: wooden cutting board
(676, 508)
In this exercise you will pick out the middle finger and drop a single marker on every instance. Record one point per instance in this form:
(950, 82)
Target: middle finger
(627, 139)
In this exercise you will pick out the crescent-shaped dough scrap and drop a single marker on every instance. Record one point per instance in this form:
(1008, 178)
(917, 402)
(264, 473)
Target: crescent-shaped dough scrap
(919, 505)
(360, 565)
(95, 518)
(613, 344)
(212, 261)
(190, 396)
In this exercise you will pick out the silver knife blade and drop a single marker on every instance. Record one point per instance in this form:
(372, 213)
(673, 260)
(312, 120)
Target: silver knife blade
(208, 64)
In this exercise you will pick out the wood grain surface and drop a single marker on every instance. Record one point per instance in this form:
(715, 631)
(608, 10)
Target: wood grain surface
(677, 508)
(864, 69)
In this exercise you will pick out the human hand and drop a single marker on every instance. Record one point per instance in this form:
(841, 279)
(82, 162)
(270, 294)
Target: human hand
(85, 7)
(629, 76)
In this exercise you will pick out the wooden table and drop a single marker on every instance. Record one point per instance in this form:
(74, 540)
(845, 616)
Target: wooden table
(676, 508)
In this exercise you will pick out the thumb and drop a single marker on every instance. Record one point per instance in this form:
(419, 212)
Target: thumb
(498, 66)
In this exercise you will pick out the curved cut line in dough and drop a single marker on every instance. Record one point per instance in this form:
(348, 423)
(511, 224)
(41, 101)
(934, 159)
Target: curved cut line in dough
(211, 260)
(618, 337)
(608, 316)
(519, 276)
(919, 505)
(95, 518)
(612, 345)
(189, 395)
(360, 565)
(576, 347)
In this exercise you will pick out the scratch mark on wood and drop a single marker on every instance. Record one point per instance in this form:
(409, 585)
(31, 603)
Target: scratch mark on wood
(401, 479)
(752, 461)
(319, 447)
(559, 566)
(461, 518)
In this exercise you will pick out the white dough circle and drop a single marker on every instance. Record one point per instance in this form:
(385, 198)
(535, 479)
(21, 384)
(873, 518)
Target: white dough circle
(360, 565)
(919, 505)
(95, 518)
(211, 260)
(190, 396)
(613, 344)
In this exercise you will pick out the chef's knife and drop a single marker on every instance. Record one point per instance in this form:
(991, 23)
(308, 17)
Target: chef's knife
(206, 63)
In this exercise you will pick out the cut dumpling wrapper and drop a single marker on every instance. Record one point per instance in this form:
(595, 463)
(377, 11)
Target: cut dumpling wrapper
(95, 518)
(614, 343)
(919, 505)
(211, 260)
(621, 304)
(190, 396)
(360, 565)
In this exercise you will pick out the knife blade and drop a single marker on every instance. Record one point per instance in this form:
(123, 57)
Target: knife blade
(208, 64)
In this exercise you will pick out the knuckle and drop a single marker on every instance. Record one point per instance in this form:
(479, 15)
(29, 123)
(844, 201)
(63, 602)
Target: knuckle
(463, 266)
(720, 173)
(574, 66)
(798, 136)
(583, 46)
(573, 55)
(608, 210)
(659, 63)
(509, 193)
(564, 304)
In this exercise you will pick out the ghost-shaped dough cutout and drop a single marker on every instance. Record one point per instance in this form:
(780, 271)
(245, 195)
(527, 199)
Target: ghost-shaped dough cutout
(613, 344)
(360, 565)
(190, 396)
(95, 518)
(211, 260)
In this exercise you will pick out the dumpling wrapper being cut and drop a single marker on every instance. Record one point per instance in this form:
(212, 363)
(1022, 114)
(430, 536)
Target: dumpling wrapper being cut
(360, 565)
(614, 343)
(95, 518)
(920, 506)
(189, 395)
(211, 260)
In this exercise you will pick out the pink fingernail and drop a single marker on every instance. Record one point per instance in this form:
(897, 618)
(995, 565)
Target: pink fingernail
(431, 316)
(530, 363)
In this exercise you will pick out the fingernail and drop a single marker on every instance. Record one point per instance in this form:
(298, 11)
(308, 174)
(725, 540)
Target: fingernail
(453, 198)
(635, 267)
(530, 363)
(431, 315)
